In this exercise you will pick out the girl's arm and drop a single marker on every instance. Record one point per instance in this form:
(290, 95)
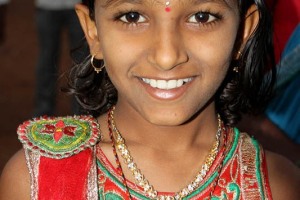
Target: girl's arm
(15, 179)
(284, 177)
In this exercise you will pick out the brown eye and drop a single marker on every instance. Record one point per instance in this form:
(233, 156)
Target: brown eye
(202, 18)
(132, 17)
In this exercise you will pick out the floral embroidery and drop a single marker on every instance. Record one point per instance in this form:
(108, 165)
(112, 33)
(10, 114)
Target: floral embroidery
(58, 130)
(59, 137)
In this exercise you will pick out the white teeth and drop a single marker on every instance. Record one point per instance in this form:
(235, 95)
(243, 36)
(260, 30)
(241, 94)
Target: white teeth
(179, 83)
(172, 84)
(146, 80)
(161, 84)
(166, 85)
(153, 83)
(187, 80)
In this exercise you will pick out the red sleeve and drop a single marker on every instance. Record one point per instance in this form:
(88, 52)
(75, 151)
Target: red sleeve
(64, 178)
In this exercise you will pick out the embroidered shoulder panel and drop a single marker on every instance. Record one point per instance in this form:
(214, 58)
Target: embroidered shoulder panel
(59, 137)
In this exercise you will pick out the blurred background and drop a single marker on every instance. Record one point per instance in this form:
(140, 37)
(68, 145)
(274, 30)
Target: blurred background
(18, 58)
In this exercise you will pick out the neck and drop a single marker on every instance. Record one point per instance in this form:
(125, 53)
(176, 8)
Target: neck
(199, 131)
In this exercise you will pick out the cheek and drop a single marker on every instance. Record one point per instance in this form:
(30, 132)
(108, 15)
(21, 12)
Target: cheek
(216, 60)
(213, 51)
(213, 55)
(119, 56)
(114, 54)
(119, 52)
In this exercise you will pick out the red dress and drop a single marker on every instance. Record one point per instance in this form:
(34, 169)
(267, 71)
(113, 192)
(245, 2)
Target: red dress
(84, 172)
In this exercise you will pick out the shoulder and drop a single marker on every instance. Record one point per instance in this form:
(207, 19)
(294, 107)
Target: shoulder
(15, 178)
(59, 137)
(284, 177)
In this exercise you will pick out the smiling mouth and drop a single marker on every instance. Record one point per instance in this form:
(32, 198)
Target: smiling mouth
(166, 84)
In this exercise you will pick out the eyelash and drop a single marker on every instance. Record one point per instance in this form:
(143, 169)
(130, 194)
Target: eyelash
(122, 14)
(215, 15)
(118, 17)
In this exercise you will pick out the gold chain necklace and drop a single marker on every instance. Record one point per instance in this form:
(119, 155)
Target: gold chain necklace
(140, 178)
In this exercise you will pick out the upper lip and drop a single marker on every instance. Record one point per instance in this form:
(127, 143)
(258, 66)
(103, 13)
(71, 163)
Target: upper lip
(165, 78)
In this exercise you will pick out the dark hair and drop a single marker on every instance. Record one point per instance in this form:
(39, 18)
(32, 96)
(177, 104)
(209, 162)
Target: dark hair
(244, 92)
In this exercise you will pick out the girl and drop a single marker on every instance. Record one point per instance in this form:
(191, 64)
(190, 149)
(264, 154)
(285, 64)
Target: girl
(166, 82)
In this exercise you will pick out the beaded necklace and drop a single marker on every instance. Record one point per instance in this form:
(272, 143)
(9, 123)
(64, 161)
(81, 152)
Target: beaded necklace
(119, 167)
(118, 143)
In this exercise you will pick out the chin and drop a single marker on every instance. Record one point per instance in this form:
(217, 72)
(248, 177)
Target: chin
(166, 120)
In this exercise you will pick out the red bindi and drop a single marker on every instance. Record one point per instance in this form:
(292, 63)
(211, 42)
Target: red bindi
(167, 8)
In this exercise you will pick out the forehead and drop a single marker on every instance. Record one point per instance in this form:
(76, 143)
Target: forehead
(109, 3)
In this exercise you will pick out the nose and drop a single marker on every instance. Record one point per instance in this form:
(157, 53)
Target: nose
(168, 49)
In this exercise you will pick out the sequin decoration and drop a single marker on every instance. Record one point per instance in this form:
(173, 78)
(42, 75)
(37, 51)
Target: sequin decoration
(59, 137)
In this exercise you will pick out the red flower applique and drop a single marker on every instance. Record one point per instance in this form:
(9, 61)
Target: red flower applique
(58, 130)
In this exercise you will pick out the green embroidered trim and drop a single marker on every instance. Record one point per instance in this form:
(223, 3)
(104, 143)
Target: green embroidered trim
(66, 143)
(222, 197)
(196, 192)
(112, 196)
(202, 187)
(227, 158)
(108, 196)
(234, 145)
(233, 187)
(258, 167)
(140, 196)
(59, 137)
(120, 184)
(101, 194)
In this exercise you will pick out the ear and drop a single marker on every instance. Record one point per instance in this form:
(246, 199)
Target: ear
(90, 30)
(251, 21)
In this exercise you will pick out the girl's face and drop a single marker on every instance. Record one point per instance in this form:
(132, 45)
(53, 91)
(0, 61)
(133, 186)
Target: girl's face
(166, 64)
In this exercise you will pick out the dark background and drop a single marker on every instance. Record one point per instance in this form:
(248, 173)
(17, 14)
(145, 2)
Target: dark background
(18, 55)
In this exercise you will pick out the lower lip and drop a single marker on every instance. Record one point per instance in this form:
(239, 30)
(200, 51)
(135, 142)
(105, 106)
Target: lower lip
(161, 94)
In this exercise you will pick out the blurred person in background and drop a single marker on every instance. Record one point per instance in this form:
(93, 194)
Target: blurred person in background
(52, 17)
(3, 8)
(278, 129)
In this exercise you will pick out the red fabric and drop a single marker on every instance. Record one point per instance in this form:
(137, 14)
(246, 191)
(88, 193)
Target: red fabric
(265, 174)
(64, 178)
(238, 177)
(286, 18)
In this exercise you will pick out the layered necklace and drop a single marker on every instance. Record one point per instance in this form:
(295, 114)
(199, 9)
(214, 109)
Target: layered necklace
(118, 144)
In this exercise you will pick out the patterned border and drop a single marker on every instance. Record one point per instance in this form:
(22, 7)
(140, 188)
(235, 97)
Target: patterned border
(28, 130)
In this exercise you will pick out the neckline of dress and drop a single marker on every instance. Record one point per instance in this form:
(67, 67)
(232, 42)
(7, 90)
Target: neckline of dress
(106, 164)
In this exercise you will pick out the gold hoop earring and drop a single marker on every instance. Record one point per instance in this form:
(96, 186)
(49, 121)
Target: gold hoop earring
(236, 69)
(239, 54)
(97, 69)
